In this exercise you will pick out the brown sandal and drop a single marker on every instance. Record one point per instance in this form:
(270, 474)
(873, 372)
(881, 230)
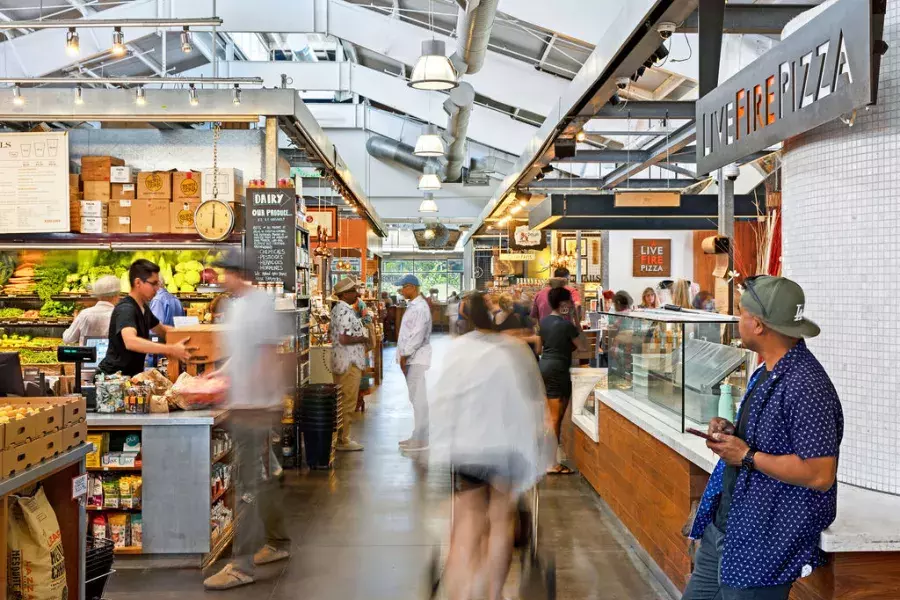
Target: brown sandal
(560, 470)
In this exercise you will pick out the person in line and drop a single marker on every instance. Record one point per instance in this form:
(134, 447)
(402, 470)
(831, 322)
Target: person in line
(94, 321)
(165, 306)
(608, 296)
(664, 292)
(453, 313)
(622, 302)
(506, 317)
(414, 352)
(348, 357)
(559, 339)
(774, 489)
(541, 307)
(252, 335)
(681, 294)
(132, 322)
(649, 299)
(704, 301)
(488, 414)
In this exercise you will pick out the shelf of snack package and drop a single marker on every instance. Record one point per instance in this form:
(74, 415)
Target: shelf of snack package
(42, 449)
(166, 455)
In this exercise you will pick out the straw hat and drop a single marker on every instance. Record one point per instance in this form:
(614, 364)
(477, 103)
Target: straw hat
(345, 285)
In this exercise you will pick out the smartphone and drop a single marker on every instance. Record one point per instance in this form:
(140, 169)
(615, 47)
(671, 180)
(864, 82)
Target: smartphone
(699, 433)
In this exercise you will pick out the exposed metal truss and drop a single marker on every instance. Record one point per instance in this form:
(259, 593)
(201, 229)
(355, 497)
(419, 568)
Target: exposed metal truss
(659, 152)
(588, 185)
(654, 109)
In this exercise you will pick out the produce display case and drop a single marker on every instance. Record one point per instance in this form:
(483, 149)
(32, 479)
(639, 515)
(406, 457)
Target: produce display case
(674, 363)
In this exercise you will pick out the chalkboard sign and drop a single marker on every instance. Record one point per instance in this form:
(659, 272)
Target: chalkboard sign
(272, 232)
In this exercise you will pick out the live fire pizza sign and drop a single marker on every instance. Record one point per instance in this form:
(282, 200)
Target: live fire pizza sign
(652, 258)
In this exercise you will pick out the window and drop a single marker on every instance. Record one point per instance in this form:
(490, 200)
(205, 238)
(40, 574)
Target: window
(443, 275)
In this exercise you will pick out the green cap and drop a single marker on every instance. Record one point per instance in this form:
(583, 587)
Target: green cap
(780, 304)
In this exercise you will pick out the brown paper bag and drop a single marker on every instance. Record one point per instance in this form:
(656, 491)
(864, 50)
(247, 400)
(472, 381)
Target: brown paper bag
(159, 404)
(35, 562)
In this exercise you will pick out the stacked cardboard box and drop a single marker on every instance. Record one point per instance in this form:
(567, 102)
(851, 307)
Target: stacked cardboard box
(38, 429)
(95, 175)
(150, 211)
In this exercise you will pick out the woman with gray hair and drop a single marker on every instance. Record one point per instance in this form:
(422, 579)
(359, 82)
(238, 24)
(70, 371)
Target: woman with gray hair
(94, 321)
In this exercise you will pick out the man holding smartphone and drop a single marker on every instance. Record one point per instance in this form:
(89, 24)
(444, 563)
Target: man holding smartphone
(774, 489)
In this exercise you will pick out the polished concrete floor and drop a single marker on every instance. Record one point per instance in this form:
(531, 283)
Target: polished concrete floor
(368, 530)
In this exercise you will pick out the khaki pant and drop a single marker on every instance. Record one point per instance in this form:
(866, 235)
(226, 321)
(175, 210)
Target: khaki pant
(348, 393)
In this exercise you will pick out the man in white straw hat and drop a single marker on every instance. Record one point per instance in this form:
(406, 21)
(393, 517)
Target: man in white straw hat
(348, 356)
(94, 321)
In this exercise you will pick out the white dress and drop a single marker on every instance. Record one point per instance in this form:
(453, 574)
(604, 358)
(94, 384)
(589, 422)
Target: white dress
(488, 407)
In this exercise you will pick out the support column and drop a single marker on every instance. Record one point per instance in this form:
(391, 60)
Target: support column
(271, 152)
(726, 229)
(468, 282)
(578, 272)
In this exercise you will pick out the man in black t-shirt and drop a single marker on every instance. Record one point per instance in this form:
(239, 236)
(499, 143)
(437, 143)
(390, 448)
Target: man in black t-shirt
(132, 322)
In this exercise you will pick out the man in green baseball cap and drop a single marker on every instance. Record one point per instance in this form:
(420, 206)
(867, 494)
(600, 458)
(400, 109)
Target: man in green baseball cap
(774, 490)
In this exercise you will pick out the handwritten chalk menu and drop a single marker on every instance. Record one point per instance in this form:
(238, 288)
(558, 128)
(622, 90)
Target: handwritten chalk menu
(652, 258)
(34, 182)
(271, 233)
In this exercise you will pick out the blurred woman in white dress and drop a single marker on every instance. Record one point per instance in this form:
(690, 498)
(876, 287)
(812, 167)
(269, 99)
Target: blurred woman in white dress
(488, 425)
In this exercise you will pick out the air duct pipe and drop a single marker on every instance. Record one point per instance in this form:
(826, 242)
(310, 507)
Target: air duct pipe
(473, 27)
(397, 152)
(473, 31)
(458, 106)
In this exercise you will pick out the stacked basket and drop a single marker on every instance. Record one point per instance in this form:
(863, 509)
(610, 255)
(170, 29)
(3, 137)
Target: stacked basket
(319, 422)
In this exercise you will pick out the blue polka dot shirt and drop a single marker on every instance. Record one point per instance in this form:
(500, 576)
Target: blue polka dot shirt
(773, 528)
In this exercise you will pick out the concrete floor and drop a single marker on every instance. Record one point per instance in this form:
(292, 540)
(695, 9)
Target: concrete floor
(367, 530)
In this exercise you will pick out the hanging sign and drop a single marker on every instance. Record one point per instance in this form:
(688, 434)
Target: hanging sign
(647, 199)
(825, 69)
(34, 182)
(652, 258)
(272, 232)
(525, 239)
(516, 256)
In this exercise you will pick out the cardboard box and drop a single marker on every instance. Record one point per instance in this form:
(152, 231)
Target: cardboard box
(118, 225)
(74, 183)
(101, 446)
(20, 431)
(73, 406)
(150, 216)
(94, 225)
(73, 435)
(207, 339)
(97, 168)
(120, 208)
(123, 191)
(182, 216)
(94, 208)
(154, 185)
(20, 458)
(186, 185)
(121, 175)
(97, 190)
(231, 185)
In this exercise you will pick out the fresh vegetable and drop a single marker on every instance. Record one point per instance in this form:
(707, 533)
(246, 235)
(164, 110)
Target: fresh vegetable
(51, 281)
(7, 266)
(192, 277)
(11, 313)
(53, 309)
(39, 357)
(178, 278)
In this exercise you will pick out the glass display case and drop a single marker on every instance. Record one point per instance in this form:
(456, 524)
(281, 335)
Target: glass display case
(676, 364)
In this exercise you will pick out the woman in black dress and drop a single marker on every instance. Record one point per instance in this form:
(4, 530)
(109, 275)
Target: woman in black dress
(559, 338)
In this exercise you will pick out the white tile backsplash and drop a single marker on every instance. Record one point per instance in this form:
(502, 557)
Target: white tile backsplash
(841, 242)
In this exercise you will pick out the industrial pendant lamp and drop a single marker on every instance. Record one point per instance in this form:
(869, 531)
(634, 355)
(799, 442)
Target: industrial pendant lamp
(433, 70)
(429, 182)
(428, 204)
(429, 143)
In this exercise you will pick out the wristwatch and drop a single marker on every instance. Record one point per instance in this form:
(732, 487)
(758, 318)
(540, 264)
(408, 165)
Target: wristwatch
(748, 461)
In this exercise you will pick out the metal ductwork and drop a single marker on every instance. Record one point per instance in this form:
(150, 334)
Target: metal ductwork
(458, 106)
(397, 152)
(473, 31)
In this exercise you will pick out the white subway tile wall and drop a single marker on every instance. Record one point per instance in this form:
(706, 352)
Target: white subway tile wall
(841, 242)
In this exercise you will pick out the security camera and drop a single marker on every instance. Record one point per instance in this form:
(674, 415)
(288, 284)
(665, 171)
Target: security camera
(731, 171)
(622, 82)
(666, 30)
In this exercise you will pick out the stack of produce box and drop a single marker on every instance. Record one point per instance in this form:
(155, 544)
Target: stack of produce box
(36, 429)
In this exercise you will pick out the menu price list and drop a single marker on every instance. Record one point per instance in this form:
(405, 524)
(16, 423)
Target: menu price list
(34, 182)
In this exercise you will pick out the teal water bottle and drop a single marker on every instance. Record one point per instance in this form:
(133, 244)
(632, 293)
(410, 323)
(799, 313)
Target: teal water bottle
(726, 402)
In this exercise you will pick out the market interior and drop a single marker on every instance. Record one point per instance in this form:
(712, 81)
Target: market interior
(376, 298)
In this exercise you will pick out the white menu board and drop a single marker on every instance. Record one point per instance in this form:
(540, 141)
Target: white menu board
(34, 182)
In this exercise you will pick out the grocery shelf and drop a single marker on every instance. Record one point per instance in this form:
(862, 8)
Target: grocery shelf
(44, 469)
(113, 241)
(111, 468)
(128, 550)
(104, 509)
(220, 495)
(219, 545)
(35, 324)
(221, 455)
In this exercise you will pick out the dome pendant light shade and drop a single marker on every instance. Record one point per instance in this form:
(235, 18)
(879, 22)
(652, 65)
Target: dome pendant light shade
(428, 204)
(429, 143)
(433, 70)
(429, 182)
